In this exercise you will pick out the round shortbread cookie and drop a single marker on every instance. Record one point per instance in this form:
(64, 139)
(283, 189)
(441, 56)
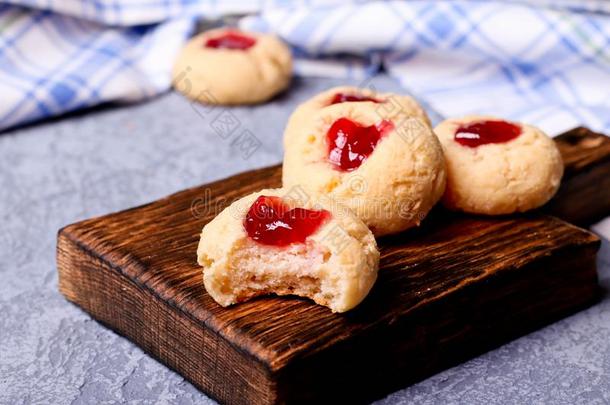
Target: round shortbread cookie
(335, 266)
(393, 188)
(387, 102)
(513, 175)
(229, 76)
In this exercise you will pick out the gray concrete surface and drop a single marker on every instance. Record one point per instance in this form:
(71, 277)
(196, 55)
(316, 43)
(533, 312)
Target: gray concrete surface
(56, 173)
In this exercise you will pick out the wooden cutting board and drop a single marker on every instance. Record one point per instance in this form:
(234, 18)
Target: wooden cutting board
(453, 288)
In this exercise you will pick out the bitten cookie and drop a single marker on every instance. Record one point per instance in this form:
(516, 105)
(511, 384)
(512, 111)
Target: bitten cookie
(225, 66)
(281, 241)
(380, 160)
(497, 167)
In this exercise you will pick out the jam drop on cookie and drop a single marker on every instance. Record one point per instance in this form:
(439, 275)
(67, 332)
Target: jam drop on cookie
(483, 132)
(349, 143)
(231, 40)
(270, 222)
(350, 97)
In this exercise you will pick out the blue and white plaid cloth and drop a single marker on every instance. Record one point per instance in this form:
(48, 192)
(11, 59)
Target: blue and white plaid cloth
(63, 55)
(547, 63)
(540, 61)
(52, 63)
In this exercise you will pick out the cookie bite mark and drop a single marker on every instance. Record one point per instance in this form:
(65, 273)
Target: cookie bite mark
(265, 244)
(350, 143)
(231, 40)
(350, 98)
(473, 134)
(271, 222)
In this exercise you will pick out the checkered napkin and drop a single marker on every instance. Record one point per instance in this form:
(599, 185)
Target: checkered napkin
(543, 62)
(62, 55)
(51, 63)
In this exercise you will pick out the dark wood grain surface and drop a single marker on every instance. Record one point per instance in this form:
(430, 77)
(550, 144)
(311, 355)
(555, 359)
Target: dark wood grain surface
(454, 287)
(587, 156)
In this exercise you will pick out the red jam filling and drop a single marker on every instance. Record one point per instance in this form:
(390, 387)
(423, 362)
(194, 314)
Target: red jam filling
(231, 40)
(484, 132)
(270, 222)
(348, 98)
(349, 143)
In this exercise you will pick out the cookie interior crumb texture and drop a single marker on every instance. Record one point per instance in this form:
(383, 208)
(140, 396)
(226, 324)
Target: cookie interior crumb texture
(499, 178)
(335, 267)
(232, 76)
